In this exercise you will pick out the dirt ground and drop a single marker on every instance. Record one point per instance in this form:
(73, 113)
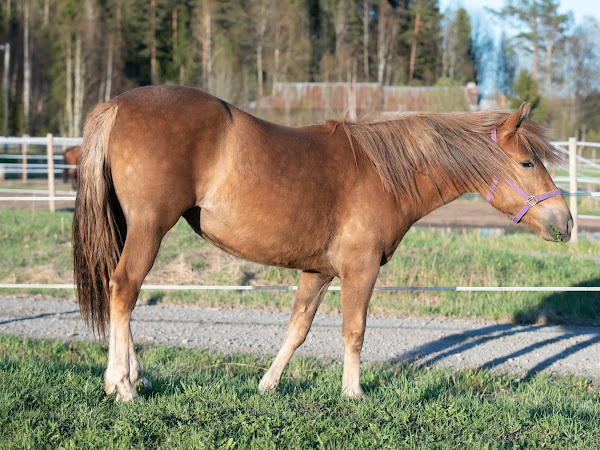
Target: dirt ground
(462, 344)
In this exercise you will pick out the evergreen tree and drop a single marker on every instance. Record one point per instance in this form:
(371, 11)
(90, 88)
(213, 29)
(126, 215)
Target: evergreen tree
(542, 30)
(527, 90)
(423, 37)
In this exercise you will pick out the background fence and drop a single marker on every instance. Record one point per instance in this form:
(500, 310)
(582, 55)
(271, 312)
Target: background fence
(19, 159)
(26, 167)
(582, 171)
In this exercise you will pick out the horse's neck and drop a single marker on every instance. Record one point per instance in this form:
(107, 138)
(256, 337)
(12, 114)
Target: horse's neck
(432, 195)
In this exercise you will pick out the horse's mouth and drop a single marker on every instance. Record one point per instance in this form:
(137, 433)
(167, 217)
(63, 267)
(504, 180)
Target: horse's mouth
(558, 234)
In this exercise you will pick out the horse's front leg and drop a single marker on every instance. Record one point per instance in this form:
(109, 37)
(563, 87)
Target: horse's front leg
(311, 289)
(358, 280)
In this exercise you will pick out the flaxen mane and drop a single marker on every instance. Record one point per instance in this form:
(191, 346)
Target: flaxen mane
(455, 146)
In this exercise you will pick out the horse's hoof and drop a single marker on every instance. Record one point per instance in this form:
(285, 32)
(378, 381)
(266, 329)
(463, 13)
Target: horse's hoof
(125, 391)
(267, 385)
(355, 394)
(126, 396)
(109, 388)
(143, 384)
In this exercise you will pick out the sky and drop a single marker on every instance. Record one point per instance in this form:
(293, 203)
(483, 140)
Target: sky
(580, 8)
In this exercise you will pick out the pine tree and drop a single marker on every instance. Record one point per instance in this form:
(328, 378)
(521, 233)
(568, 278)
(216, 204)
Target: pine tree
(527, 90)
(543, 29)
(424, 38)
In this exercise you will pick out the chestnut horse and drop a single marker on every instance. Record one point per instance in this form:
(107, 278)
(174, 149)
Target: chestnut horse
(332, 200)
(70, 158)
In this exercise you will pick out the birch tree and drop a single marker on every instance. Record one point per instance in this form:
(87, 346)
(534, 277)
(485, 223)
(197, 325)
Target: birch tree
(387, 31)
(26, 67)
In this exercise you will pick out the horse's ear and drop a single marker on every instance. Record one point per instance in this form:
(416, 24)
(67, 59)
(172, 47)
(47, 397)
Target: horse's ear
(523, 111)
(510, 125)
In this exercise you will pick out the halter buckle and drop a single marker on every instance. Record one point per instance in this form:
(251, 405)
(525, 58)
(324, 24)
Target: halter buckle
(532, 201)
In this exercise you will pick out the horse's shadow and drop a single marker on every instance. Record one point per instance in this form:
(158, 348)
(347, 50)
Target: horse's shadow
(39, 316)
(556, 309)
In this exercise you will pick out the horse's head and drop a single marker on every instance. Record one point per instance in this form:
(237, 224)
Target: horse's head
(528, 195)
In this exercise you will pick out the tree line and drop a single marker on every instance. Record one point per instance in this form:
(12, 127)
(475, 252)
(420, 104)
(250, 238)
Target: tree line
(67, 55)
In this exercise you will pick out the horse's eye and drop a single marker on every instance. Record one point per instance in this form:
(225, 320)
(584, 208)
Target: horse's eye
(527, 164)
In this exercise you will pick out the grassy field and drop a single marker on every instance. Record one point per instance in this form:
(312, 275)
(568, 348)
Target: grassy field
(35, 248)
(51, 397)
(51, 392)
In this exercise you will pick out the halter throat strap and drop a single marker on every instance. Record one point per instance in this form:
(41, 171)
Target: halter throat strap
(530, 200)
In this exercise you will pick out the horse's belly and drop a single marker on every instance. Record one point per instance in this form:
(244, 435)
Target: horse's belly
(266, 237)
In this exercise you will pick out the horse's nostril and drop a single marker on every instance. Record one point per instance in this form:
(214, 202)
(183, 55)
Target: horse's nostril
(569, 226)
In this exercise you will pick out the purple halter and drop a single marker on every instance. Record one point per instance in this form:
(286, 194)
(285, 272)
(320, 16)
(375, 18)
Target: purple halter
(530, 200)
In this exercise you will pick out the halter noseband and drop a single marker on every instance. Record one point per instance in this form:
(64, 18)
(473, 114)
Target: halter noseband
(530, 200)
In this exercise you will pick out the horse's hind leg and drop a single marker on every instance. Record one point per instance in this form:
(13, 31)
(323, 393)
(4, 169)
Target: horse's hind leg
(135, 370)
(139, 252)
(311, 289)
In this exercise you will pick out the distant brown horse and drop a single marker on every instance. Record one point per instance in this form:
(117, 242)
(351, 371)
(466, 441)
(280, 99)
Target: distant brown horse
(70, 158)
(332, 200)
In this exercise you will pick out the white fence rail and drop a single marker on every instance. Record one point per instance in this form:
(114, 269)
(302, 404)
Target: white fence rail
(51, 166)
(194, 287)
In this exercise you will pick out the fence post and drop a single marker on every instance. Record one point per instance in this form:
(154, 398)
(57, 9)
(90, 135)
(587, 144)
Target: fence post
(50, 153)
(573, 186)
(24, 155)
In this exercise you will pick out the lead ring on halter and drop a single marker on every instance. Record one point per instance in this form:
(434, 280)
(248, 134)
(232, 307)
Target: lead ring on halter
(530, 200)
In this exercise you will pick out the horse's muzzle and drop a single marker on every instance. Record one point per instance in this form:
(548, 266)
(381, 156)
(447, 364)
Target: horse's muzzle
(563, 228)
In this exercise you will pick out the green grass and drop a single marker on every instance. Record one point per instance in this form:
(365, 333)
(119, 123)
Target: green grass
(35, 248)
(51, 397)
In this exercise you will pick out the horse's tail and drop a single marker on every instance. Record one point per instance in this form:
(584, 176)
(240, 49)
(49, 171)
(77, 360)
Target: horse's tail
(98, 225)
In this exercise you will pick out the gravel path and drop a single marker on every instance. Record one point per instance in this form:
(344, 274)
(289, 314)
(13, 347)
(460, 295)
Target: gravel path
(520, 349)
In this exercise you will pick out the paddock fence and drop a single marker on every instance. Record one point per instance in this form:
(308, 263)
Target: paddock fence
(582, 171)
(18, 148)
(195, 287)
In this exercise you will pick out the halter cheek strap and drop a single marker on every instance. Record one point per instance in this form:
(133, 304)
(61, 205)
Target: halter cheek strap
(530, 200)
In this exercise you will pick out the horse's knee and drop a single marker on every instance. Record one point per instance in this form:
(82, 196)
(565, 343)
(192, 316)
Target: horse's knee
(353, 340)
